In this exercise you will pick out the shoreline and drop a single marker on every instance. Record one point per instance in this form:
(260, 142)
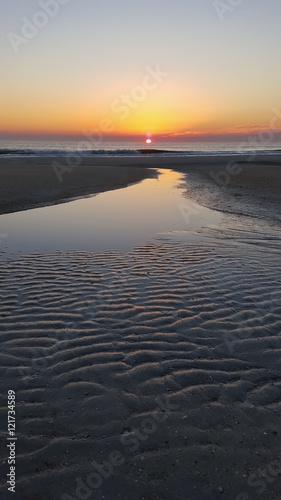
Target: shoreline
(38, 184)
(178, 339)
(226, 183)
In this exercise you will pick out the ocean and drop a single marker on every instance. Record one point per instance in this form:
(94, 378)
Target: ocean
(86, 147)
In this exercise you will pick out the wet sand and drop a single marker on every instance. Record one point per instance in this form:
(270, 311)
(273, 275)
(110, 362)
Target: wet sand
(219, 182)
(164, 360)
(35, 182)
(162, 364)
(248, 188)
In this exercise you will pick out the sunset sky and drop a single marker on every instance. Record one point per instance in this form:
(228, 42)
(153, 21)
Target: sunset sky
(171, 69)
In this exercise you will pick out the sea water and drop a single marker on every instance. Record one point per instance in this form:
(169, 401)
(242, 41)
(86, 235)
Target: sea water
(92, 146)
(114, 220)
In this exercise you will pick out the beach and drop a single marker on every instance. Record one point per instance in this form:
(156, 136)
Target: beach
(45, 181)
(152, 373)
(217, 181)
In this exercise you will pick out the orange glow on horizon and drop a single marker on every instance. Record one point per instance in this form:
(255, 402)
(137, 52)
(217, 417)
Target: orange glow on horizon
(169, 115)
(174, 112)
(96, 135)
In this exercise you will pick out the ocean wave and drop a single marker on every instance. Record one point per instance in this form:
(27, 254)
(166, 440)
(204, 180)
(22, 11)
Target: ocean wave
(67, 152)
(127, 152)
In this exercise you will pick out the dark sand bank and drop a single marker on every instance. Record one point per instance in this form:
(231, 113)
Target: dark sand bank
(220, 182)
(34, 182)
(238, 186)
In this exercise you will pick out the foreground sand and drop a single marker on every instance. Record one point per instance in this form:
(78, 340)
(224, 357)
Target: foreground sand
(164, 361)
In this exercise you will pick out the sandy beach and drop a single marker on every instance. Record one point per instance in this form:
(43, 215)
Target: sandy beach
(39, 182)
(152, 374)
(220, 182)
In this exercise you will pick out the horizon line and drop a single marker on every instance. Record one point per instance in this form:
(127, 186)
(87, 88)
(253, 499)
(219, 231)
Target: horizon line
(95, 137)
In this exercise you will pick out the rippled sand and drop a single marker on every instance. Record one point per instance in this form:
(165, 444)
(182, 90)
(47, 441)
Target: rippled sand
(168, 355)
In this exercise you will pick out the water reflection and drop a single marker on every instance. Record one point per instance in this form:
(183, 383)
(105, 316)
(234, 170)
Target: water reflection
(116, 220)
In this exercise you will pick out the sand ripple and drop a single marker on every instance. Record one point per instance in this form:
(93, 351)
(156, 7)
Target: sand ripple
(89, 341)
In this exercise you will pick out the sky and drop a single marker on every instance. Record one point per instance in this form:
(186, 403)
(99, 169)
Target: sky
(172, 69)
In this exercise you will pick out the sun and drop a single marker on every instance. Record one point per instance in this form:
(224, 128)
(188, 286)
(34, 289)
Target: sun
(148, 141)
